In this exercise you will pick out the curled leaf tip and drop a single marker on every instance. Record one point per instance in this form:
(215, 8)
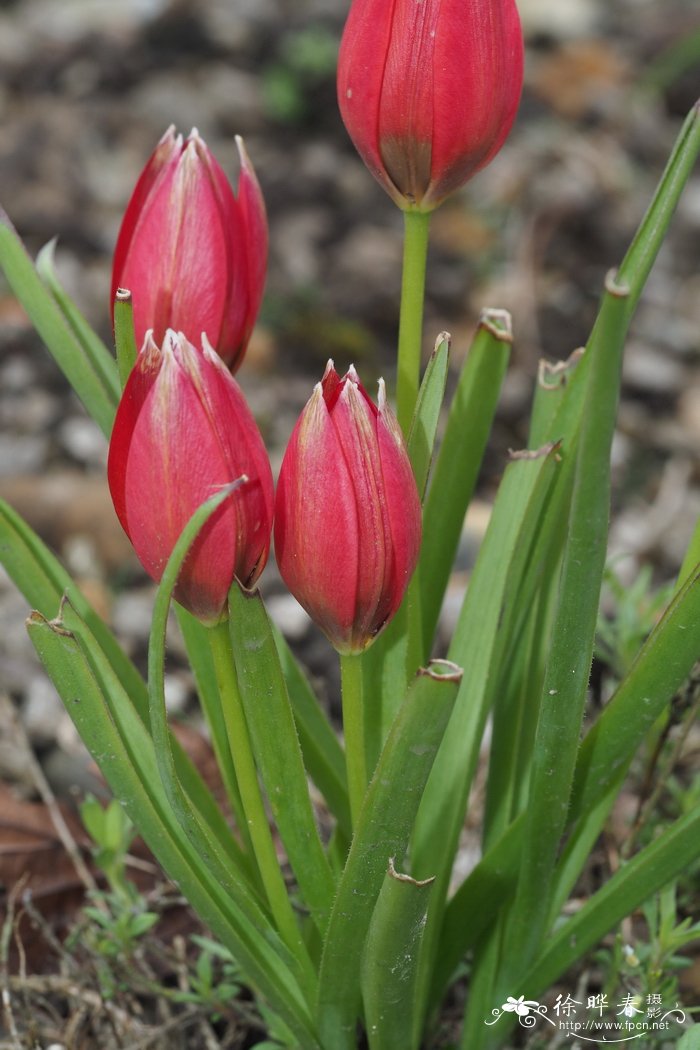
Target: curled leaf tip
(551, 375)
(498, 322)
(401, 877)
(443, 337)
(442, 671)
(529, 454)
(612, 287)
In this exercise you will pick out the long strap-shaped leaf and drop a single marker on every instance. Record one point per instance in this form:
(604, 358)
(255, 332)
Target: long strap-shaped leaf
(198, 832)
(99, 397)
(389, 961)
(133, 776)
(478, 646)
(635, 882)
(208, 813)
(458, 461)
(383, 831)
(390, 663)
(607, 750)
(323, 755)
(635, 269)
(276, 747)
(571, 646)
(94, 349)
(43, 581)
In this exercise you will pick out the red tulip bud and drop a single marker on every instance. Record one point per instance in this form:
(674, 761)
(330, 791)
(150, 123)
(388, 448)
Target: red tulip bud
(182, 430)
(347, 514)
(428, 90)
(193, 254)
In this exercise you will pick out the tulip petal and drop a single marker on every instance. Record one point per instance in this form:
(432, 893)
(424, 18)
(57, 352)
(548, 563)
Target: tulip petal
(478, 89)
(164, 156)
(402, 503)
(354, 420)
(407, 100)
(316, 527)
(361, 62)
(199, 271)
(183, 430)
(255, 236)
(243, 453)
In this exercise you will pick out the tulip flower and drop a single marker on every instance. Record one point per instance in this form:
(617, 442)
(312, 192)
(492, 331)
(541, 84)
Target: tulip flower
(182, 430)
(193, 254)
(429, 90)
(347, 512)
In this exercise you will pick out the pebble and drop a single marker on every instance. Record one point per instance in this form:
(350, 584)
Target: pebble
(83, 440)
(288, 615)
(42, 711)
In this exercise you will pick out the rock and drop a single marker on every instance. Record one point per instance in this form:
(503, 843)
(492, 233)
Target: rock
(42, 711)
(288, 615)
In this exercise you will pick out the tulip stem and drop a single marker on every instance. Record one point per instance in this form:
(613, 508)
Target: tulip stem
(354, 730)
(415, 253)
(124, 336)
(253, 805)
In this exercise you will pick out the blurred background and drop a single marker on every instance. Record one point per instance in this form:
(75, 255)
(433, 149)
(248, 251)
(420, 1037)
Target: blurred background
(87, 89)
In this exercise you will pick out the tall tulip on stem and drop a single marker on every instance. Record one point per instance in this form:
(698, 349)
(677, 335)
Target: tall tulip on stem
(428, 93)
(347, 531)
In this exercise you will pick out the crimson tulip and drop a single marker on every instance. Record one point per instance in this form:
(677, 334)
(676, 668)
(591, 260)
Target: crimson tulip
(182, 430)
(194, 255)
(429, 90)
(347, 512)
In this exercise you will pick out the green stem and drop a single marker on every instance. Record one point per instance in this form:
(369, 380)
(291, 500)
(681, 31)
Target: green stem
(247, 776)
(354, 730)
(415, 252)
(124, 337)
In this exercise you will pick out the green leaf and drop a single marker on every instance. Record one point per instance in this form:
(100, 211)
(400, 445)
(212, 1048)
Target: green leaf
(323, 755)
(654, 867)
(421, 436)
(99, 399)
(118, 741)
(571, 647)
(664, 662)
(94, 349)
(196, 637)
(43, 581)
(41, 578)
(458, 461)
(276, 747)
(690, 1040)
(389, 961)
(141, 924)
(478, 644)
(638, 261)
(92, 815)
(383, 831)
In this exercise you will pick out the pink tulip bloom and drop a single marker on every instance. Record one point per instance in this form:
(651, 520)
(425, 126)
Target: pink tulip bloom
(193, 254)
(183, 430)
(429, 90)
(347, 513)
